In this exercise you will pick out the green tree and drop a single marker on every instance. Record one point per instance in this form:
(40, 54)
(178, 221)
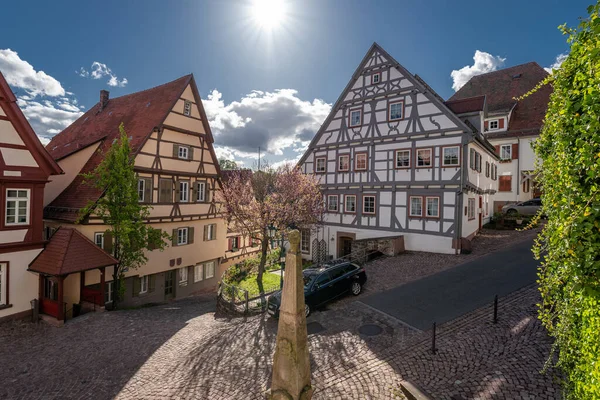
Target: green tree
(568, 150)
(120, 209)
(227, 164)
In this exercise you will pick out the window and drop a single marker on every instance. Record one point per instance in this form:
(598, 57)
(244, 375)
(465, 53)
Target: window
(471, 208)
(505, 184)
(3, 284)
(17, 206)
(184, 191)
(493, 124)
(376, 78)
(183, 276)
(235, 243)
(350, 206)
(487, 169)
(209, 270)
(305, 240)
(402, 158)
(361, 161)
(187, 108)
(355, 118)
(50, 288)
(344, 163)
(198, 272)
(494, 171)
(396, 111)
(99, 239)
(183, 152)
(472, 158)
(332, 203)
(108, 293)
(477, 161)
(526, 185)
(320, 164)
(423, 158)
(144, 284)
(432, 209)
(451, 156)
(165, 193)
(200, 191)
(505, 152)
(368, 204)
(182, 236)
(210, 232)
(416, 206)
(141, 189)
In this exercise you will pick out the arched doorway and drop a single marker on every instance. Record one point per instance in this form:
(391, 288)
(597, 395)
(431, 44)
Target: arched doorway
(344, 243)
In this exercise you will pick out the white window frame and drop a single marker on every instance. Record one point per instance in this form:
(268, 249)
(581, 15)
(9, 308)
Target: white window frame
(3, 284)
(471, 208)
(187, 108)
(141, 190)
(109, 292)
(184, 191)
(366, 156)
(444, 164)
(378, 75)
(502, 150)
(198, 273)
(430, 150)
(183, 276)
(182, 236)
(235, 243)
(17, 200)
(305, 240)
(410, 212)
(144, 284)
(211, 232)
(393, 103)
(317, 169)
(340, 157)
(492, 121)
(201, 195)
(364, 203)
(206, 269)
(437, 209)
(396, 158)
(346, 198)
(350, 124)
(99, 243)
(183, 152)
(329, 204)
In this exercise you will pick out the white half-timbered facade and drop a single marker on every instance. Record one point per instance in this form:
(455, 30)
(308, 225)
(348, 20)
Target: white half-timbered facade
(394, 160)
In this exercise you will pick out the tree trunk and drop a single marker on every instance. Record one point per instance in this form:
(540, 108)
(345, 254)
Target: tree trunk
(115, 286)
(263, 261)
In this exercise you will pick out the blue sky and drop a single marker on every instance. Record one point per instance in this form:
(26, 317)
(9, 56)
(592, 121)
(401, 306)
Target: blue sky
(267, 87)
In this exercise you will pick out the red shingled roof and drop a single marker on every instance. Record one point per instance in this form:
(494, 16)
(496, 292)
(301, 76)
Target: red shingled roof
(69, 251)
(469, 104)
(139, 112)
(501, 87)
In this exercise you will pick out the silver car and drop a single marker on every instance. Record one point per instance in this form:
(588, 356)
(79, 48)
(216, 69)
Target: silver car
(529, 207)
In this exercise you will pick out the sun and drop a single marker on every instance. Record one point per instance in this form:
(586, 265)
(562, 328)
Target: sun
(268, 14)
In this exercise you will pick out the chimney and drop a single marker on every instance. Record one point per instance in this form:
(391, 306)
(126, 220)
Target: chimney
(103, 99)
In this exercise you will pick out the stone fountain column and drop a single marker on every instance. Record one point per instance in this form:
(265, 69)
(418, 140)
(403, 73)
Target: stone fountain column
(291, 363)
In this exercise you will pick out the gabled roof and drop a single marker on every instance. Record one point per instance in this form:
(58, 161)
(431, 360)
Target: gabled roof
(467, 105)
(68, 252)
(501, 87)
(141, 113)
(15, 115)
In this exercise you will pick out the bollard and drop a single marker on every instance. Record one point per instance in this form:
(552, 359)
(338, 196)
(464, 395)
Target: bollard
(496, 309)
(433, 349)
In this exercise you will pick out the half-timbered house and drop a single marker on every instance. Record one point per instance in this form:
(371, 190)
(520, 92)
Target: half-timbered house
(394, 160)
(24, 170)
(178, 176)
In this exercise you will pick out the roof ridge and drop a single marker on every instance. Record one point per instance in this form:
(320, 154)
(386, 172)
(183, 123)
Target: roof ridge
(507, 68)
(464, 99)
(146, 90)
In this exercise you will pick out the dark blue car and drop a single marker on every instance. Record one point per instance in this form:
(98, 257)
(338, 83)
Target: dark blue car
(324, 284)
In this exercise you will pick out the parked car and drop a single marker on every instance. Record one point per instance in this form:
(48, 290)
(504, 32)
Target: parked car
(324, 284)
(529, 207)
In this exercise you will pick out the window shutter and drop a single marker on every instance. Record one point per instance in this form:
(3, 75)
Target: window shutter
(190, 153)
(505, 184)
(151, 283)
(195, 187)
(176, 151)
(501, 123)
(485, 125)
(472, 159)
(177, 191)
(230, 244)
(190, 235)
(136, 286)
(515, 151)
(174, 240)
(214, 230)
(148, 190)
(108, 242)
(497, 149)
(205, 232)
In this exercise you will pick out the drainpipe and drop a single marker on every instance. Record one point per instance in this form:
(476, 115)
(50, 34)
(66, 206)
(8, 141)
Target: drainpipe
(459, 194)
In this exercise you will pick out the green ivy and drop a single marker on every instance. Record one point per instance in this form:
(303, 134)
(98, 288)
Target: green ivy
(568, 150)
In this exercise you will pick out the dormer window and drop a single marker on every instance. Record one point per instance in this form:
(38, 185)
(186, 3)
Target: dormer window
(375, 78)
(187, 108)
(493, 124)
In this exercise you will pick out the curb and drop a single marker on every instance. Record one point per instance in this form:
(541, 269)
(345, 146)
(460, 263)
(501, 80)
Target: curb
(412, 392)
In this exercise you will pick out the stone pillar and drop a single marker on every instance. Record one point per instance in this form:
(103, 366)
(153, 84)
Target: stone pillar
(291, 362)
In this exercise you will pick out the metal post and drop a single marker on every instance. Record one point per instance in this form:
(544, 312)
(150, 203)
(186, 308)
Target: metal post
(433, 349)
(496, 309)
(65, 313)
(246, 297)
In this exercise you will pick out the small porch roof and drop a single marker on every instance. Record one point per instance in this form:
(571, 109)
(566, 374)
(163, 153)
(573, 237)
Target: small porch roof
(69, 252)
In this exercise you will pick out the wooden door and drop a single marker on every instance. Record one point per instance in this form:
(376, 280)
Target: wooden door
(169, 285)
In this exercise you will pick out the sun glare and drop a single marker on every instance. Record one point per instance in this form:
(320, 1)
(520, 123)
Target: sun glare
(268, 14)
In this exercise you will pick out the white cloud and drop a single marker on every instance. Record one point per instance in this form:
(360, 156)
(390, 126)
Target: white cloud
(20, 74)
(557, 63)
(278, 122)
(49, 118)
(100, 70)
(482, 63)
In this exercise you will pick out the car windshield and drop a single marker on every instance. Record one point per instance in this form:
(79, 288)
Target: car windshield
(309, 278)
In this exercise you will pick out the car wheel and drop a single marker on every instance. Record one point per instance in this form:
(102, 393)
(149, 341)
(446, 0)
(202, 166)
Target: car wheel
(512, 211)
(306, 310)
(356, 288)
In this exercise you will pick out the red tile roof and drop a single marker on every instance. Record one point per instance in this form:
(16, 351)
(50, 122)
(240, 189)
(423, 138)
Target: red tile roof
(68, 252)
(501, 87)
(469, 104)
(139, 112)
